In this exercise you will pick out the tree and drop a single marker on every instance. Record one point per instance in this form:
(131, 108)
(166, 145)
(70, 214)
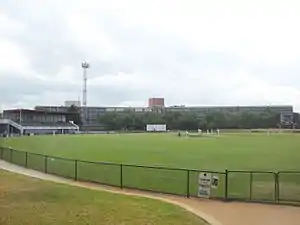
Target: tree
(130, 120)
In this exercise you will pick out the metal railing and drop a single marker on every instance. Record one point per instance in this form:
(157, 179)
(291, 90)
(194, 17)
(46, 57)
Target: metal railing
(255, 186)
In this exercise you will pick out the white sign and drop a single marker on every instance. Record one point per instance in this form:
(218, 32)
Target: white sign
(215, 182)
(204, 184)
(156, 127)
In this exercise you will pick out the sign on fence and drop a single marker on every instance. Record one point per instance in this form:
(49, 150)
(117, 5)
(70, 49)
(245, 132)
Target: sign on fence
(215, 182)
(204, 183)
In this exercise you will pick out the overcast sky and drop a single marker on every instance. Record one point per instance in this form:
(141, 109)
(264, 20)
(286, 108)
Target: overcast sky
(189, 52)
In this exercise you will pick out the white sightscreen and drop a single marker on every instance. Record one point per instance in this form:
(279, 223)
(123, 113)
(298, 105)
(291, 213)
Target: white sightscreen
(156, 127)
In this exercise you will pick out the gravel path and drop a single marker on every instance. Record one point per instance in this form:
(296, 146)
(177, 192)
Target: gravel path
(214, 212)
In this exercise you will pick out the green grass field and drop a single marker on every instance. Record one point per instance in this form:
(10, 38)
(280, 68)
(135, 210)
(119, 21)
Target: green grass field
(30, 201)
(257, 152)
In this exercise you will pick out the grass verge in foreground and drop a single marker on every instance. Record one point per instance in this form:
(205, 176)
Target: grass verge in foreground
(29, 201)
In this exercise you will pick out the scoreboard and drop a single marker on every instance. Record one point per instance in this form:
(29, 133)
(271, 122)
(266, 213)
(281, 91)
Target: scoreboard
(287, 118)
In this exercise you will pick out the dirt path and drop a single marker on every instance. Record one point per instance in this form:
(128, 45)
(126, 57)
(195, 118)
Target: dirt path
(214, 212)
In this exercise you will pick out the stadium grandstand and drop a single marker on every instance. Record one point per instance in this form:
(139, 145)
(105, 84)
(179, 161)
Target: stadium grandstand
(27, 122)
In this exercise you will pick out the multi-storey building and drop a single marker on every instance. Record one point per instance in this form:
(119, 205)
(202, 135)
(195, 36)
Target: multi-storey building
(231, 109)
(69, 103)
(93, 113)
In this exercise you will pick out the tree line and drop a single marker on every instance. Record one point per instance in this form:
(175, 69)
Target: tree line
(130, 120)
(190, 121)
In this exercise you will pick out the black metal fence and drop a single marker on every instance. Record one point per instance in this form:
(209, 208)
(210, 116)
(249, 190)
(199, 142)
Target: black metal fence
(257, 186)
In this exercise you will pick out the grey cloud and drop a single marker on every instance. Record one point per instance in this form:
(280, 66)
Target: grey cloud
(10, 87)
(142, 51)
(278, 75)
(147, 51)
(16, 90)
(107, 96)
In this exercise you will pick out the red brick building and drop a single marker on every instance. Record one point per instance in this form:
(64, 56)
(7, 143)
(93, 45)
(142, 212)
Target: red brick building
(156, 102)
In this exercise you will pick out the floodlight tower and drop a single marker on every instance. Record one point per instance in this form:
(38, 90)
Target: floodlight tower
(85, 65)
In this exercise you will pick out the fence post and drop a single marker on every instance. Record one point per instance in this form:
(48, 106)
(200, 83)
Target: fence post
(251, 178)
(188, 184)
(226, 184)
(26, 159)
(121, 176)
(11, 155)
(75, 171)
(46, 162)
(276, 186)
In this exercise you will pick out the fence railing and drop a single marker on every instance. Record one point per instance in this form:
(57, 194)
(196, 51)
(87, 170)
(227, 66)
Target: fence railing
(257, 186)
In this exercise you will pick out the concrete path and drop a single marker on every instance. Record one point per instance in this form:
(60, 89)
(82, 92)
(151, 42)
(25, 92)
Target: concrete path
(214, 212)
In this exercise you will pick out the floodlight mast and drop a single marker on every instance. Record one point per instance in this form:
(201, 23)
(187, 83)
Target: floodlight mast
(85, 65)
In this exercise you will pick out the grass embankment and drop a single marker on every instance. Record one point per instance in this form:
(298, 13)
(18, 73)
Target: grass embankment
(29, 201)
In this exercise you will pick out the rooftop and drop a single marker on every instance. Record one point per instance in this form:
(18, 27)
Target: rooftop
(33, 111)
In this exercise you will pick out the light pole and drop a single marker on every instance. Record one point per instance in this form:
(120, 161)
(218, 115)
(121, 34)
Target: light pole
(85, 65)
